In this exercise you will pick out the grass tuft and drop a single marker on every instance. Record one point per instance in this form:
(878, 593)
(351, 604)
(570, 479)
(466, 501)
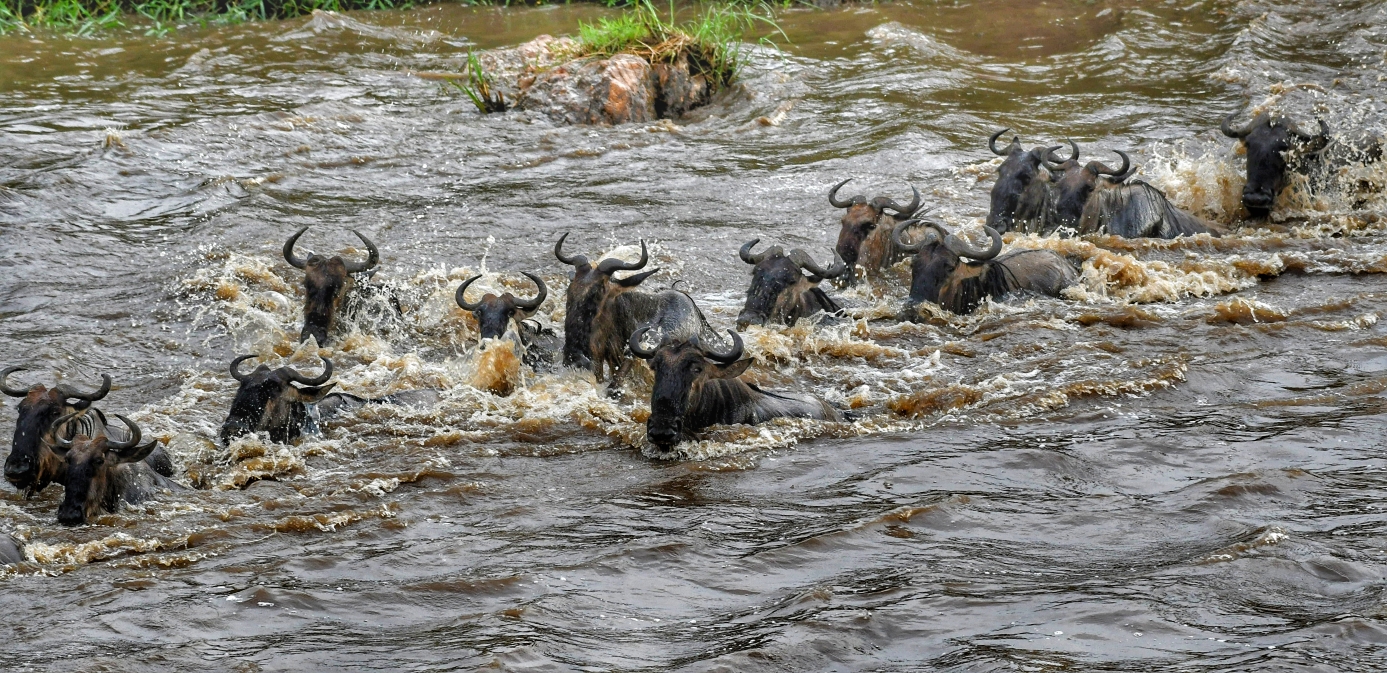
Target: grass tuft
(83, 17)
(478, 88)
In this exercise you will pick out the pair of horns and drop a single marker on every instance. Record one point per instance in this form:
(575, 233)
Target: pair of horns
(61, 445)
(880, 201)
(66, 391)
(1054, 162)
(952, 241)
(523, 304)
(732, 355)
(1050, 156)
(293, 375)
(372, 258)
(1228, 130)
(606, 266)
(1117, 175)
(799, 257)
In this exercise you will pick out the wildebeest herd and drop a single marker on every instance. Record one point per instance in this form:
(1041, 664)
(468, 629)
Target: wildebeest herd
(610, 322)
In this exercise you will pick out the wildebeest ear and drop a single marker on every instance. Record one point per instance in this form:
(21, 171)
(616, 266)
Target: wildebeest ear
(733, 370)
(309, 395)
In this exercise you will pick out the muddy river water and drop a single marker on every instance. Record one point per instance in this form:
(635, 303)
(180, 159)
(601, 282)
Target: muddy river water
(1177, 467)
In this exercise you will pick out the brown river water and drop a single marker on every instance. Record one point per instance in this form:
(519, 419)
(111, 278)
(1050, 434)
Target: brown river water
(1178, 467)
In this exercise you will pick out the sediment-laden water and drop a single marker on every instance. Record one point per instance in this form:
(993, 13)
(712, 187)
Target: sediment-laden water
(1179, 466)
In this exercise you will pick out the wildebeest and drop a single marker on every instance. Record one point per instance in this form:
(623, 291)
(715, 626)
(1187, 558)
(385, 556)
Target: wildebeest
(327, 284)
(103, 471)
(939, 274)
(592, 290)
(269, 401)
(785, 288)
(495, 315)
(860, 239)
(696, 387)
(1015, 175)
(32, 465)
(1138, 210)
(1057, 201)
(1274, 143)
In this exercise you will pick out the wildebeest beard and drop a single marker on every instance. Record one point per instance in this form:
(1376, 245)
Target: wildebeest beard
(780, 290)
(269, 401)
(1269, 140)
(32, 465)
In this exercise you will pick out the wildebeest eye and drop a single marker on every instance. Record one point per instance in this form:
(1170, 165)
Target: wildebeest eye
(99, 461)
(698, 369)
(870, 226)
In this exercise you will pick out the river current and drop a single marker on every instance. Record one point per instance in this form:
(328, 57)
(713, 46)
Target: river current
(1177, 467)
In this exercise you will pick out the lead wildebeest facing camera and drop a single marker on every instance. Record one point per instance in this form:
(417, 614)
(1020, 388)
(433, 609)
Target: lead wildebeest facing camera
(494, 314)
(1274, 144)
(596, 300)
(939, 273)
(785, 288)
(32, 465)
(696, 386)
(861, 239)
(273, 401)
(1014, 176)
(327, 284)
(103, 471)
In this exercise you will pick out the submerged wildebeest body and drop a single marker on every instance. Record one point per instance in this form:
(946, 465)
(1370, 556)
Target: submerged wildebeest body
(939, 274)
(785, 288)
(103, 471)
(32, 463)
(696, 387)
(1276, 145)
(268, 400)
(10, 550)
(860, 238)
(1095, 199)
(602, 311)
(328, 284)
(496, 315)
(1014, 175)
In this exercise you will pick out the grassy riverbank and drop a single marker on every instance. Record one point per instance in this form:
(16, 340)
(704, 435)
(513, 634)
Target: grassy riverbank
(86, 17)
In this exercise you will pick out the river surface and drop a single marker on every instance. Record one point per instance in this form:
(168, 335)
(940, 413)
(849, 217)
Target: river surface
(1178, 467)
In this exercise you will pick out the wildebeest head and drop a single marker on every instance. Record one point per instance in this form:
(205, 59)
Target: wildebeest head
(681, 370)
(1076, 184)
(589, 286)
(938, 272)
(785, 288)
(269, 401)
(326, 282)
(90, 485)
(858, 235)
(1015, 173)
(495, 313)
(31, 464)
(1268, 140)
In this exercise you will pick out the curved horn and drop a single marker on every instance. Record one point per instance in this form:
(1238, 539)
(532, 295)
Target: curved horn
(235, 373)
(608, 266)
(1053, 162)
(322, 378)
(992, 142)
(833, 196)
(1323, 136)
(816, 272)
(129, 443)
(636, 278)
(532, 304)
(1074, 147)
(61, 444)
(296, 262)
(68, 391)
(725, 358)
(1228, 130)
(959, 247)
(1126, 164)
(930, 236)
(576, 260)
(462, 289)
(372, 256)
(635, 344)
(906, 211)
(5, 387)
(746, 254)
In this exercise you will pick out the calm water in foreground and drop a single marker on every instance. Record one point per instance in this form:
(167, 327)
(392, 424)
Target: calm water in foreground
(1178, 467)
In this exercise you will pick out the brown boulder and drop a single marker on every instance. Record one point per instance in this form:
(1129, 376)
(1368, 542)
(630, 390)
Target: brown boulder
(616, 90)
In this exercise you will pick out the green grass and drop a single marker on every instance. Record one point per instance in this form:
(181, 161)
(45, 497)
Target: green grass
(712, 40)
(84, 17)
